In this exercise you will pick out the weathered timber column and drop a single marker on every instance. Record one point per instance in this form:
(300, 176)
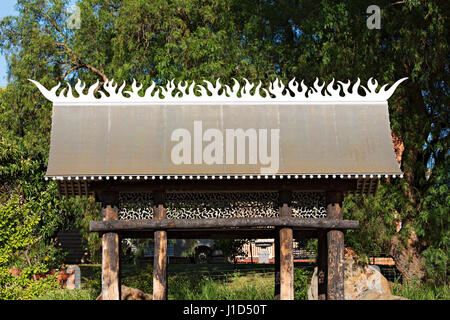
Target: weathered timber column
(335, 243)
(276, 241)
(160, 251)
(286, 252)
(110, 249)
(322, 265)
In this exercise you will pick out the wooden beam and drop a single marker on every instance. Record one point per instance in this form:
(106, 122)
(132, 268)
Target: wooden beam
(335, 244)
(237, 234)
(241, 233)
(179, 224)
(160, 253)
(110, 252)
(218, 185)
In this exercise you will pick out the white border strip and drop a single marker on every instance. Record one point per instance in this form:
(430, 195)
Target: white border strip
(221, 177)
(214, 102)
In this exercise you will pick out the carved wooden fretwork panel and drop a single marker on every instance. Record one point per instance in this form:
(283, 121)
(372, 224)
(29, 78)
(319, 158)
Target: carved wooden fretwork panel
(221, 205)
(136, 205)
(308, 205)
(187, 205)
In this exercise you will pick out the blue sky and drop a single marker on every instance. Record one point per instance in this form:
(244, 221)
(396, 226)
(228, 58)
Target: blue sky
(7, 10)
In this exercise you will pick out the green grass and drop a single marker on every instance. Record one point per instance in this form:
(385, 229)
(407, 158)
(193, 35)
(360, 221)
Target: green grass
(232, 287)
(194, 282)
(206, 282)
(64, 294)
(418, 291)
(220, 282)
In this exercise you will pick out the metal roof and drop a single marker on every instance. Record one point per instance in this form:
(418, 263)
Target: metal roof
(321, 133)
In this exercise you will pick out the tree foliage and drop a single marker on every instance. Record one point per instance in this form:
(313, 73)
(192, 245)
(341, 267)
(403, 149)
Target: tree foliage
(18, 221)
(260, 40)
(231, 248)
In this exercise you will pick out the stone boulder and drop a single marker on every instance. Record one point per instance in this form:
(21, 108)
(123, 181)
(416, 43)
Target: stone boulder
(127, 293)
(360, 282)
(376, 295)
(74, 280)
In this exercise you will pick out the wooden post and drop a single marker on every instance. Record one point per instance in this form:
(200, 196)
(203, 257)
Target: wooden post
(277, 263)
(286, 259)
(160, 252)
(110, 249)
(286, 251)
(335, 243)
(251, 251)
(322, 265)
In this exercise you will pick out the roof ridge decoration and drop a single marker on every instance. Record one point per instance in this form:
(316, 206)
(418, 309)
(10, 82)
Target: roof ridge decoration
(183, 93)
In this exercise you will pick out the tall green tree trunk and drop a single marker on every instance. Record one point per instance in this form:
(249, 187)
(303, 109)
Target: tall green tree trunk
(408, 257)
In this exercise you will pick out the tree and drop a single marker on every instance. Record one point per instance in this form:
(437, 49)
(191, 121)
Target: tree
(412, 42)
(231, 248)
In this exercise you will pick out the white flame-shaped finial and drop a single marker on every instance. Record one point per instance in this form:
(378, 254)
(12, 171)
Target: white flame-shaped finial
(182, 92)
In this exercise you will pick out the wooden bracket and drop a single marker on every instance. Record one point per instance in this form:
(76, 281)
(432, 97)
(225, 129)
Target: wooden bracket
(159, 197)
(110, 198)
(334, 197)
(284, 197)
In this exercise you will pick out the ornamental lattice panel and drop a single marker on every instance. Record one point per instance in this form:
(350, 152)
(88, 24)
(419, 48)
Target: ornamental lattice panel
(204, 205)
(309, 205)
(136, 205)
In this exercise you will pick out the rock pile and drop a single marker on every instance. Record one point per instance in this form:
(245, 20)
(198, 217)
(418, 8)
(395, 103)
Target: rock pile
(127, 293)
(360, 282)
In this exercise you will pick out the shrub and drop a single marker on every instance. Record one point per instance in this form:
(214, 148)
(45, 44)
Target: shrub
(24, 286)
(18, 221)
(231, 248)
(302, 278)
(16, 228)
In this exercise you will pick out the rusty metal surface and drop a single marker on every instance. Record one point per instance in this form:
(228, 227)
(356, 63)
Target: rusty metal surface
(136, 140)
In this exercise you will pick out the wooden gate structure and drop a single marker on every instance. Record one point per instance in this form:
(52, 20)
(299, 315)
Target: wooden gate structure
(189, 161)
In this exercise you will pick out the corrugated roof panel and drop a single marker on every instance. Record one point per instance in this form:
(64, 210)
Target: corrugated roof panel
(314, 139)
